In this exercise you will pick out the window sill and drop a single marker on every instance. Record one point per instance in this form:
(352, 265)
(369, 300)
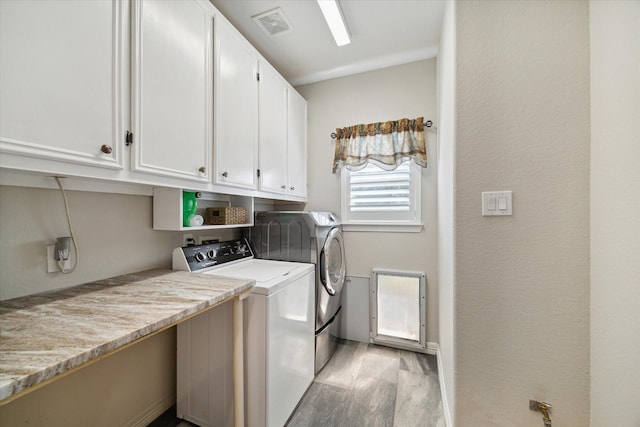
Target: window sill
(382, 227)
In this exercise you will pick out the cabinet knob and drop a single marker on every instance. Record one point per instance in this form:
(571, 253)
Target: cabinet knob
(292, 188)
(283, 186)
(106, 149)
(202, 169)
(225, 174)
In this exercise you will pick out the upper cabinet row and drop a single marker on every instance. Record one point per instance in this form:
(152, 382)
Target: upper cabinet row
(149, 91)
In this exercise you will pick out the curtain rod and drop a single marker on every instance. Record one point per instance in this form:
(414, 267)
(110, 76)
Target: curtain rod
(427, 124)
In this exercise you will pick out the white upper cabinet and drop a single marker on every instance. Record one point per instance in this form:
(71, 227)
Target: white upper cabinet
(273, 130)
(297, 145)
(62, 74)
(160, 92)
(172, 90)
(283, 136)
(236, 109)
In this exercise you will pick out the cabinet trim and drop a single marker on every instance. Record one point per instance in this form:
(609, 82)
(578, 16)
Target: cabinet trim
(23, 148)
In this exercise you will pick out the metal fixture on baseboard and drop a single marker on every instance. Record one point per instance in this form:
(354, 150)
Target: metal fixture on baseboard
(544, 408)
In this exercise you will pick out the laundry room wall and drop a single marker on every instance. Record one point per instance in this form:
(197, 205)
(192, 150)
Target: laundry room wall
(115, 236)
(114, 233)
(521, 283)
(403, 91)
(615, 203)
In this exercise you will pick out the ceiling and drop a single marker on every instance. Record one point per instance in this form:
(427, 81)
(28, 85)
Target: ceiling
(384, 33)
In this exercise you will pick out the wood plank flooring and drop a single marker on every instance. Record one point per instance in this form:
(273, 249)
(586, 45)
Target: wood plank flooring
(365, 385)
(369, 385)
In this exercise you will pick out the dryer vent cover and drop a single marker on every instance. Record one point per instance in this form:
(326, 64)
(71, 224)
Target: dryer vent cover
(273, 22)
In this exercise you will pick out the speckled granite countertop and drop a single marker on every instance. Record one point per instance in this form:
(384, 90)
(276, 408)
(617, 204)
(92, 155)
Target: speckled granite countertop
(44, 335)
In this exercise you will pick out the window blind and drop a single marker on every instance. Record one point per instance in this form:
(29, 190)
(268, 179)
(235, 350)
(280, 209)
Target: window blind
(374, 189)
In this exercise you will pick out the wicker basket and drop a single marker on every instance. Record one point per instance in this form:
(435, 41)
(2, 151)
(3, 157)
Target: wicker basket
(229, 215)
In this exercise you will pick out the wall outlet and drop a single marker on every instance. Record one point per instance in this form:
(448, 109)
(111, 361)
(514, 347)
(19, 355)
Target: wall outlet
(52, 263)
(202, 240)
(187, 239)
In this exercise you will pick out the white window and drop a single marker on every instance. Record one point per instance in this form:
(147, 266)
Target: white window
(374, 199)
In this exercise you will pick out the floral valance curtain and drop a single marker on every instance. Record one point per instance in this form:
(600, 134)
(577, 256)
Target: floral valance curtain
(387, 144)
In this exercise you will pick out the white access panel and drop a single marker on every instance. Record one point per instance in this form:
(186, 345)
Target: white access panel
(398, 305)
(204, 375)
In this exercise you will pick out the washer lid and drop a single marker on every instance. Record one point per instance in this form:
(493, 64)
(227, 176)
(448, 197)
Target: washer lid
(270, 276)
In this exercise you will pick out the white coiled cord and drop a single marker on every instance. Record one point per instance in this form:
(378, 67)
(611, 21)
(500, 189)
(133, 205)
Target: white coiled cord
(73, 238)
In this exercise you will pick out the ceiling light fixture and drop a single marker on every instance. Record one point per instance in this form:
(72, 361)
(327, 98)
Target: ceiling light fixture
(335, 21)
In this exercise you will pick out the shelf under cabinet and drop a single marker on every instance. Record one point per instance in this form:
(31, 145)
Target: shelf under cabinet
(167, 209)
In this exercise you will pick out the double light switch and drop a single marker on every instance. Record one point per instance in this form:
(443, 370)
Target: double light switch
(496, 203)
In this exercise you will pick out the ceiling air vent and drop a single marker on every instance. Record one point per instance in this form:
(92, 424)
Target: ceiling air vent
(273, 22)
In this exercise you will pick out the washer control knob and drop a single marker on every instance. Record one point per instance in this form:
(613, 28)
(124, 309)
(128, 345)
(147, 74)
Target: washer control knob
(200, 256)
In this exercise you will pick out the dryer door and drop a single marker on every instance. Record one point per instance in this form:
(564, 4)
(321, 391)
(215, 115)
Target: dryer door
(332, 262)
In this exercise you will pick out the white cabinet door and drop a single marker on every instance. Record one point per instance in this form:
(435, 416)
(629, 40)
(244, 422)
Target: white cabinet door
(297, 144)
(273, 130)
(236, 109)
(62, 68)
(172, 88)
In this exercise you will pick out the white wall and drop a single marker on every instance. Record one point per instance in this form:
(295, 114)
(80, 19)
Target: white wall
(446, 203)
(354, 323)
(388, 94)
(615, 213)
(522, 282)
(114, 234)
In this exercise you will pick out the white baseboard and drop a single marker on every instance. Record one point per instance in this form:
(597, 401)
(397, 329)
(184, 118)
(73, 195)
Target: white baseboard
(434, 348)
(153, 411)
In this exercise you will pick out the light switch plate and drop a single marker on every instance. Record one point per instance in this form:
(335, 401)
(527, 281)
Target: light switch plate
(497, 203)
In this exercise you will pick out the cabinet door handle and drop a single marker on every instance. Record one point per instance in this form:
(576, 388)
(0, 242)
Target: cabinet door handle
(202, 169)
(106, 149)
(224, 174)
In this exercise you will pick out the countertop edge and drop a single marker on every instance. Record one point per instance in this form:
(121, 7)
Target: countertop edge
(11, 388)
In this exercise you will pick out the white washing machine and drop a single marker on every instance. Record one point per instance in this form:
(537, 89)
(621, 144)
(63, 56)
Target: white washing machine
(279, 339)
